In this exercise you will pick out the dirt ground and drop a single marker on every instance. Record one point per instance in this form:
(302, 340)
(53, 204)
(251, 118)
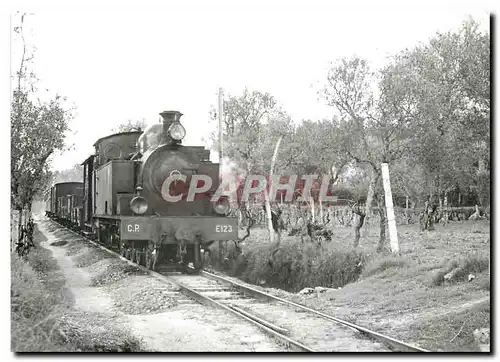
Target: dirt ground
(185, 327)
(398, 295)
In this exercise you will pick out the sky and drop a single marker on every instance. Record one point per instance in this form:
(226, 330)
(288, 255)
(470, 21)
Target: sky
(133, 63)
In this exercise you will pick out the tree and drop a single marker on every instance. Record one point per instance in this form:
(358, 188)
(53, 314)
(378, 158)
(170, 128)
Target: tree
(315, 148)
(137, 125)
(426, 113)
(375, 116)
(449, 77)
(74, 174)
(245, 121)
(37, 131)
(254, 126)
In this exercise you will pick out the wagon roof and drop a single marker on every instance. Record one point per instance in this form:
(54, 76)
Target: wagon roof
(116, 134)
(65, 183)
(87, 159)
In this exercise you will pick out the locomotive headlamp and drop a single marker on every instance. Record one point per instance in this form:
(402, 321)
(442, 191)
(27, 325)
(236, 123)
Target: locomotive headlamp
(177, 131)
(222, 206)
(139, 205)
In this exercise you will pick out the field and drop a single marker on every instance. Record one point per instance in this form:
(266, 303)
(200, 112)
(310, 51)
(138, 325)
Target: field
(403, 295)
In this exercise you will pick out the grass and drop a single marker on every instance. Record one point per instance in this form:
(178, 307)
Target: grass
(402, 295)
(458, 334)
(462, 268)
(97, 334)
(384, 263)
(38, 299)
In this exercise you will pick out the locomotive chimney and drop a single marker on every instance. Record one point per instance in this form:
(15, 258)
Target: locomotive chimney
(169, 117)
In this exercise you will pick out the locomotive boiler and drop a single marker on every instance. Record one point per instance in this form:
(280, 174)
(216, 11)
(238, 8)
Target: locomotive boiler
(135, 197)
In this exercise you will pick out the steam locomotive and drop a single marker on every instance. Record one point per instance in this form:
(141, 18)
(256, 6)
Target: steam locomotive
(134, 199)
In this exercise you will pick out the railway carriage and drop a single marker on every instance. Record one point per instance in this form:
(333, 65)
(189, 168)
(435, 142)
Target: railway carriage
(63, 202)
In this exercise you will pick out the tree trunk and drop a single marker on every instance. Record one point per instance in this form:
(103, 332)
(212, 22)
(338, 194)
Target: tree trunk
(19, 223)
(320, 212)
(445, 213)
(476, 215)
(441, 211)
(406, 210)
(331, 216)
(358, 226)
(381, 211)
(369, 196)
(424, 217)
(432, 190)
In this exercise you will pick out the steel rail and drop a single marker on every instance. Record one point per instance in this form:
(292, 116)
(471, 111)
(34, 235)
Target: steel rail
(397, 344)
(297, 346)
(257, 293)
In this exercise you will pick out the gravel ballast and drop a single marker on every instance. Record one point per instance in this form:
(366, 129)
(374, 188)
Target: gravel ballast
(108, 271)
(89, 256)
(120, 308)
(142, 295)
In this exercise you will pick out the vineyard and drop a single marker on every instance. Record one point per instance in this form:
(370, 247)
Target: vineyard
(294, 216)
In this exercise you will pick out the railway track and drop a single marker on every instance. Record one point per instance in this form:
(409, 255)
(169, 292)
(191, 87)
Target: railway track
(298, 327)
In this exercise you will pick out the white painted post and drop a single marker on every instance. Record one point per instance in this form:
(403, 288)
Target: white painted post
(266, 194)
(321, 211)
(393, 233)
(312, 209)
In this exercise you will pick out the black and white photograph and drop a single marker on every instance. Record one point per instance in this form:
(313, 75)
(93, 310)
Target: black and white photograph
(250, 176)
